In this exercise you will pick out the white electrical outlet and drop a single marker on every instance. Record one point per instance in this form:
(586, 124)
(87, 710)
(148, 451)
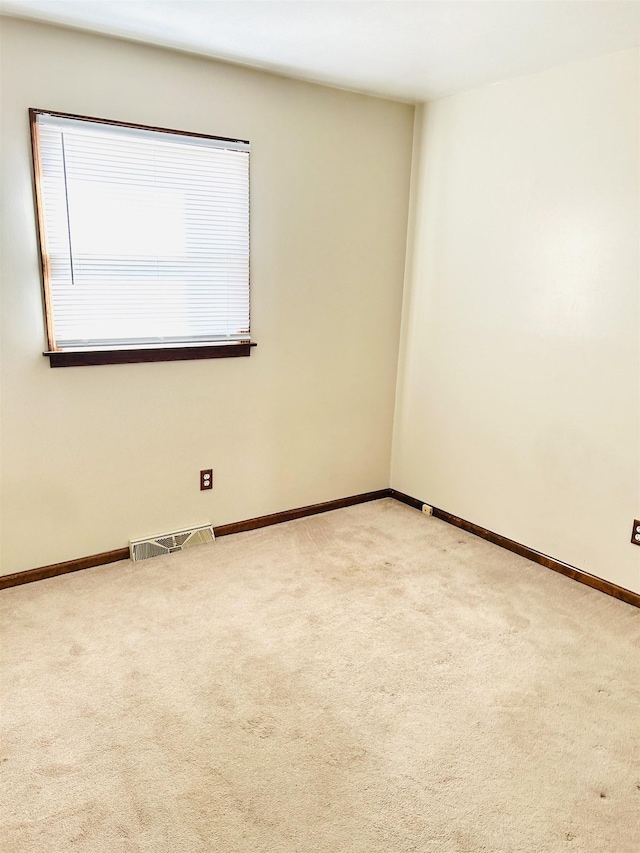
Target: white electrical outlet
(427, 510)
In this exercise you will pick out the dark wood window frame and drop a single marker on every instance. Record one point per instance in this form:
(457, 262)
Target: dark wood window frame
(118, 355)
(80, 358)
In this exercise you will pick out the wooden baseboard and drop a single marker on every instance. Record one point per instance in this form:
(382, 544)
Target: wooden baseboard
(405, 499)
(55, 569)
(607, 587)
(105, 557)
(301, 512)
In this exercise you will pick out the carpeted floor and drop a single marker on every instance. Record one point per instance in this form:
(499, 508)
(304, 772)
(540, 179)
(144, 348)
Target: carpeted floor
(364, 681)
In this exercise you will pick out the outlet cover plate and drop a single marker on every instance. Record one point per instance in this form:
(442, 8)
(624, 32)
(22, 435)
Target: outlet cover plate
(635, 533)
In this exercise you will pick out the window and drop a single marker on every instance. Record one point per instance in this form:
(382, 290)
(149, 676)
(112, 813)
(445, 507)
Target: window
(144, 237)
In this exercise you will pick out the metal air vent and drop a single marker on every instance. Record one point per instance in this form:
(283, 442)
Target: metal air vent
(167, 543)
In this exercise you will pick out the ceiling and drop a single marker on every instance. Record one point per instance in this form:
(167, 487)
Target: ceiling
(411, 51)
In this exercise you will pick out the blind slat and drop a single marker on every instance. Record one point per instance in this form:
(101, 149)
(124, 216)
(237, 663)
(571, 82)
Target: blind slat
(147, 234)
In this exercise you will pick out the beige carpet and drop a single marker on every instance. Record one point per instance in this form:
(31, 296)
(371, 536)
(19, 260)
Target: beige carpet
(365, 680)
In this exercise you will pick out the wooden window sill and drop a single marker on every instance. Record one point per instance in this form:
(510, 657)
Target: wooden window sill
(79, 358)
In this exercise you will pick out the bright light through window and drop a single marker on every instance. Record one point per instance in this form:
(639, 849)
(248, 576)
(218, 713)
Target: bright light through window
(144, 234)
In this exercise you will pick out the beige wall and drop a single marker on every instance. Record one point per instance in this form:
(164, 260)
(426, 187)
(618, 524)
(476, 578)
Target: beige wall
(519, 385)
(92, 456)
(519, 382)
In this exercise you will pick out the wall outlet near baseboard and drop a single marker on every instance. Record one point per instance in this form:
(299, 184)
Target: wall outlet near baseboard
(427, 510)
(206, 479)
(635, 533)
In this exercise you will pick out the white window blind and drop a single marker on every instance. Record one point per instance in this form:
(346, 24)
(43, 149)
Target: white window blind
(146, 235)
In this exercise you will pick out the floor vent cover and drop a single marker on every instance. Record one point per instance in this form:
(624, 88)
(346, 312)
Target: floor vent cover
(167, 543)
